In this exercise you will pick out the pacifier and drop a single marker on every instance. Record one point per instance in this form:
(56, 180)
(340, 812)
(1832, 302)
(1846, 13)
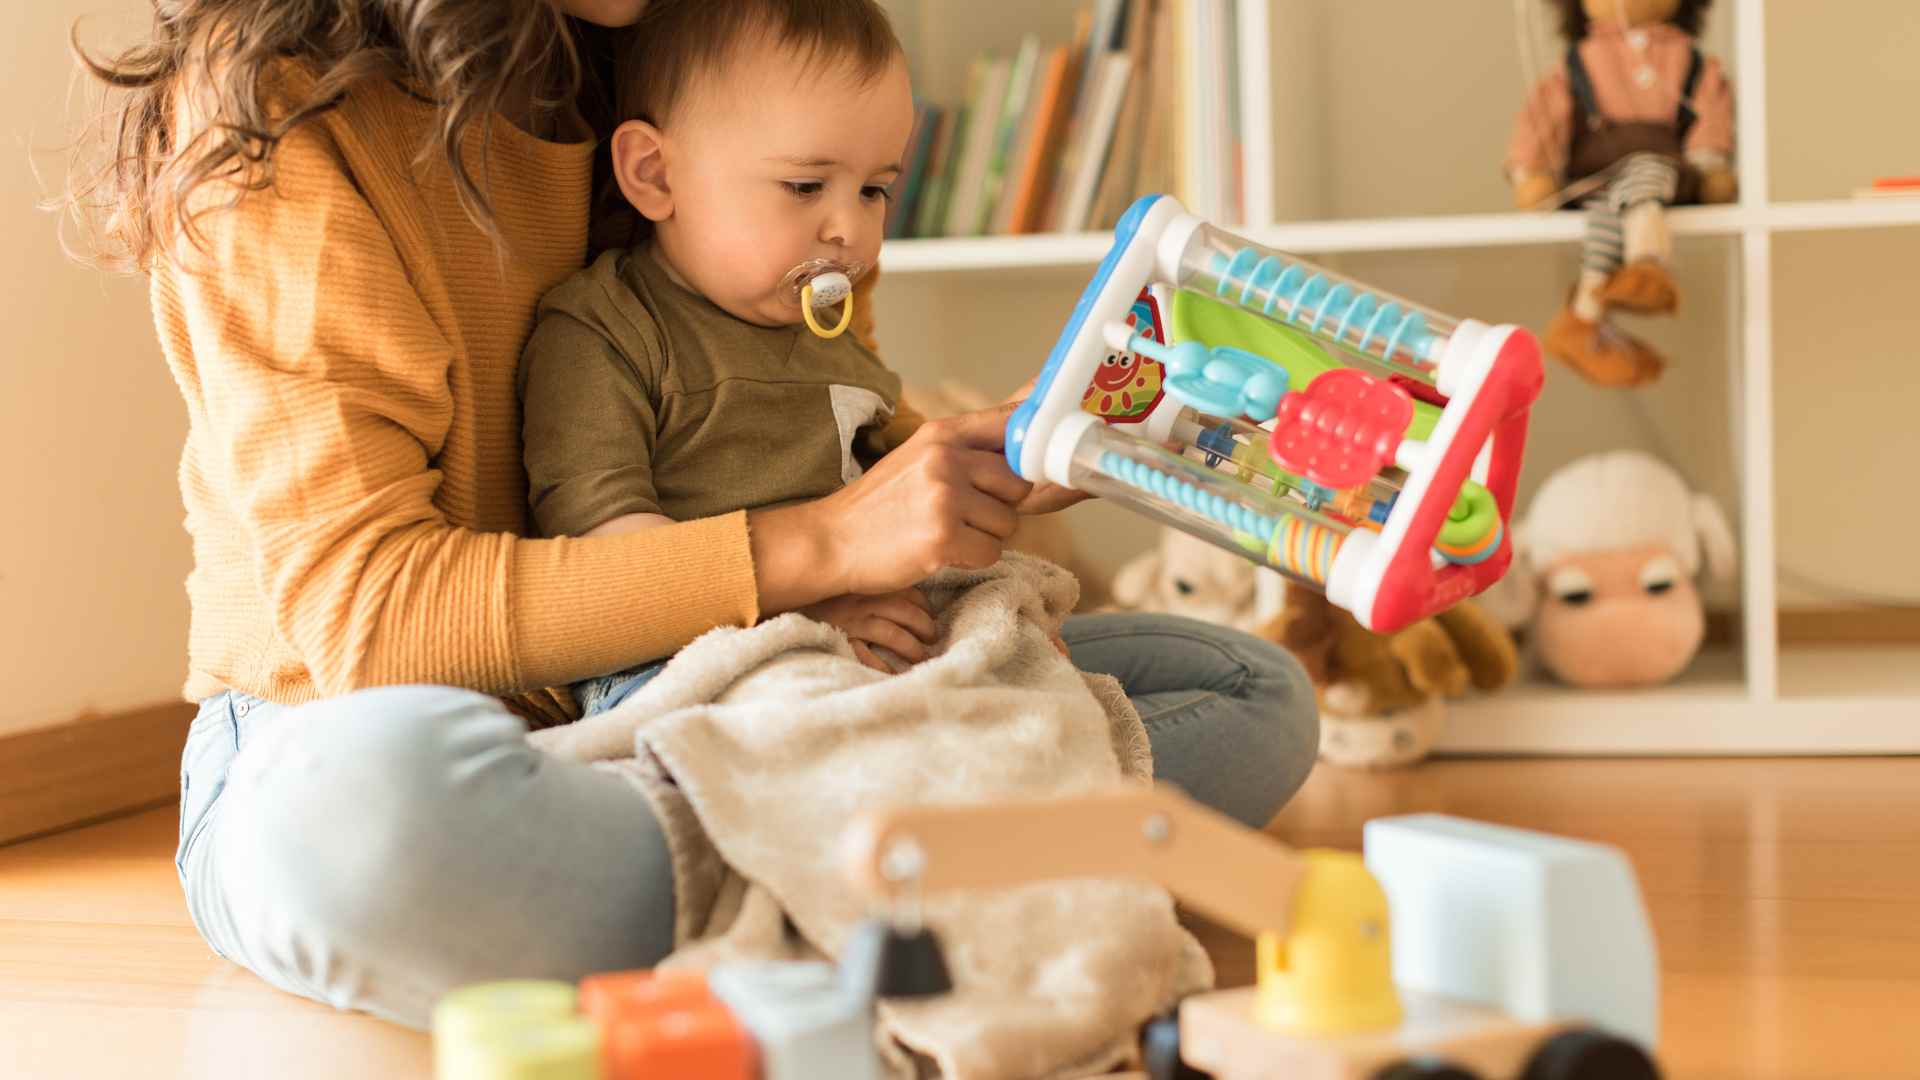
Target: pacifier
(822, 283)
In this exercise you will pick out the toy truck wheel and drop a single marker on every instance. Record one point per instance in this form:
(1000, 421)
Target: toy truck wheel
(1424, 1069)
(1160, 1050)
(1586, 1054)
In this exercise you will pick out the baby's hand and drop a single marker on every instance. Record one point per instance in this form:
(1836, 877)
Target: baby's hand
(1533, 189)
(901, 622)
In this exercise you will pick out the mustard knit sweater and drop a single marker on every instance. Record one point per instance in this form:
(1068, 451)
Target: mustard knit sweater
(346, 343)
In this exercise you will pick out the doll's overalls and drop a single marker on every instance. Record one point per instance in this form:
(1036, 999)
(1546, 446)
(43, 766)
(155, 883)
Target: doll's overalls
(1647, 162)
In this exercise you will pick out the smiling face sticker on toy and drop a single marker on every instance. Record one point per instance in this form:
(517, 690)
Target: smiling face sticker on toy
(1127, 386)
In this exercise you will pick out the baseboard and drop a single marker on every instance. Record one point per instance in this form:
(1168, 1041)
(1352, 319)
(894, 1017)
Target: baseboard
(95, 766)
(1850, 626)
(1828, 626)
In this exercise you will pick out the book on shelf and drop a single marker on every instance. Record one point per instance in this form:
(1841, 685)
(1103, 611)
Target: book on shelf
(932, 208)
(911, 182)
(1157, 159)
(1085, 58)
(1031, 180)
(970, 176)
(1109, 91)
(1013, 120)
(1121, 177)
(1064, 136)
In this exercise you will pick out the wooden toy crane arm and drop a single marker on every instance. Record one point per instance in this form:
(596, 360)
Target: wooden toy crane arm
(1232, 874)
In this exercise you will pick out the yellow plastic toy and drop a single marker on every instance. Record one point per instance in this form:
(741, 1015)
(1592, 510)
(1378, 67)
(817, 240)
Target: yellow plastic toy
(1333, 971)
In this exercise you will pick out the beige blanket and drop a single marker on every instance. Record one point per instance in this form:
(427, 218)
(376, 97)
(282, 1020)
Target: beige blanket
(757, 747)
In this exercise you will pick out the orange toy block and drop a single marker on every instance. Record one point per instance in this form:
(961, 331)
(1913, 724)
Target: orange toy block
(690, 1040)
(614, 994)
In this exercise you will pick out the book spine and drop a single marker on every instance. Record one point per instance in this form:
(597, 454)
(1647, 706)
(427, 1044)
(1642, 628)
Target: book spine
(1012, 113)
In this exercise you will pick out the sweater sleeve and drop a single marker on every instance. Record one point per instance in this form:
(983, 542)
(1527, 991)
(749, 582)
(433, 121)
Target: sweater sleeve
(324, 382)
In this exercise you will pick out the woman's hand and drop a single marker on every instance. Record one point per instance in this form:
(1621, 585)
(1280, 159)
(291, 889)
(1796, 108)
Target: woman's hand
(900, 622)
(945, 497)
(1046, 496)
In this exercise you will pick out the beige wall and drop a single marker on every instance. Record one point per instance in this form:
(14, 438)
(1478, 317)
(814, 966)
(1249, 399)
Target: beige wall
(1391, 108)
(92, 608)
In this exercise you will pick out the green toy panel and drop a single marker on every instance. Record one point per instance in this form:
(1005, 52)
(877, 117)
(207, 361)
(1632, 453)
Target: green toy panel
(1201, 318)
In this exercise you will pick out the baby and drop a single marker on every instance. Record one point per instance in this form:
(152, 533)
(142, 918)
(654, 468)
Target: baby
(682, 378)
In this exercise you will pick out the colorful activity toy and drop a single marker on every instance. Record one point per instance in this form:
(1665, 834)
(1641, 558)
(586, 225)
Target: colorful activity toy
(1352, 440)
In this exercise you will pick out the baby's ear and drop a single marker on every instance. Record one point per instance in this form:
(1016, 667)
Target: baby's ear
(640, 168)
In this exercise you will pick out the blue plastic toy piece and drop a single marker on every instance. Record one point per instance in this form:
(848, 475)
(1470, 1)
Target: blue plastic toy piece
(1221, 381)
(1381, 509)
(1316, 495)
(1312, 300)
(1191, 496)
(1217, 443)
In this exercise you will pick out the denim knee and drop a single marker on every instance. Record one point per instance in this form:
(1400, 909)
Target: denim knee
(1247, 745)
(337, 822)
(1284, 706)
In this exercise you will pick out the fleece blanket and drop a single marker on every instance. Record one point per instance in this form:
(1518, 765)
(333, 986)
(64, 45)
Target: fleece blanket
(757, 747)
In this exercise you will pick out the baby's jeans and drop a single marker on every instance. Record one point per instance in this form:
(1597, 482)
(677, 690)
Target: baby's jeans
(377, 849)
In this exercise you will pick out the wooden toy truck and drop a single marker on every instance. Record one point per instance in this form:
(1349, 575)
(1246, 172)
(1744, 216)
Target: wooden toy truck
(1515, 954)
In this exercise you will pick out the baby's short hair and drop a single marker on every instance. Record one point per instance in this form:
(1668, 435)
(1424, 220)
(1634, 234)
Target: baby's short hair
(676, 41)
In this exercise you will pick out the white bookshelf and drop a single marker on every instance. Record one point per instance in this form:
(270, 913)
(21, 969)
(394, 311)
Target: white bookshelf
(1422, 233)
(1755, 698)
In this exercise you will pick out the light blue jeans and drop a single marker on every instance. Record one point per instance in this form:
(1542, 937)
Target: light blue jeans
(374, 850)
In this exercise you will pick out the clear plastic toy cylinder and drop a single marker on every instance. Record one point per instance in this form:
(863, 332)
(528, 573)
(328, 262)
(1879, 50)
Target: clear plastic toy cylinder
(1207, 503)
(1389, 334)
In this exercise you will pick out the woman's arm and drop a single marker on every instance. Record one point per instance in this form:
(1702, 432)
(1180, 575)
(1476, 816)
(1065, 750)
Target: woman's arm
(321, 383)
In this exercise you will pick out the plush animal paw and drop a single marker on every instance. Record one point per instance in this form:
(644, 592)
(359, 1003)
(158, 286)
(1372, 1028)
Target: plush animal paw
(1380, 742)
(1644, 286)
(1603, 354)
(1383, 697)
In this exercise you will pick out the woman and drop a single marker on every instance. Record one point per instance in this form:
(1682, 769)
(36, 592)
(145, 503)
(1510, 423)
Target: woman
(348, 210)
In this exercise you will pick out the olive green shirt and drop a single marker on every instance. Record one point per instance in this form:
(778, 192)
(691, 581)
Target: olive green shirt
(640, 396)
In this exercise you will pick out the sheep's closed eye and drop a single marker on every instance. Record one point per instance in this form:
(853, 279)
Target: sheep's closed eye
(1183, 586)
(1571, 586)
(1659, 575)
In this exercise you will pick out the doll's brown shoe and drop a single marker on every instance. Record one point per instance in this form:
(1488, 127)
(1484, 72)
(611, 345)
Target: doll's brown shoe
(1644, 286)
(1603, 354)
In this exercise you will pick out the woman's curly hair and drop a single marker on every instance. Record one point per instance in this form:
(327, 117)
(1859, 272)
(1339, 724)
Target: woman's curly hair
(1573, 16)
(223, 63)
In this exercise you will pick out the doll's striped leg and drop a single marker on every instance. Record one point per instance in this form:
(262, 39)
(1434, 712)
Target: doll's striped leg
(1599, 257)
(1640, 194)
(1646, 186)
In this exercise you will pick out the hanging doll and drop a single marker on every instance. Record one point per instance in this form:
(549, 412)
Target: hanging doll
(1636, 120)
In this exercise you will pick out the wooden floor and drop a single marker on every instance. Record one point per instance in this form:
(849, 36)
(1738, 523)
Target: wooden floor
(1785, 896)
